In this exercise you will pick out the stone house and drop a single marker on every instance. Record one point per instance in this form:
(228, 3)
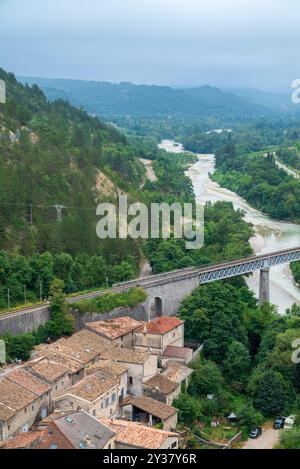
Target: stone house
(178, 354)
(77, 430)
(56, 374)
(23, 400)
(150, 412)
(162, 389)
(178, 372)
(130, 435)
(140, 365)
(96, 394)
(156, 335)
(117, 330)
(112, 369)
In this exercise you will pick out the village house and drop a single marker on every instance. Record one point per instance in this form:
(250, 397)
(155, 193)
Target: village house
(23, 400)
(55, 374)
(83, 346)
(130, 435)
(178, 372)
(28, 440)
(75, 367)
(140, 365)
(156, 335)
(96, 394)
(118, 330)
(112, 369)
(150, 412)
(162, 389)
(179, 354)
(77, 430)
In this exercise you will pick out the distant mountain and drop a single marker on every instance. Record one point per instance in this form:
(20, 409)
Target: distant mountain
(274, 101)
(104, 98)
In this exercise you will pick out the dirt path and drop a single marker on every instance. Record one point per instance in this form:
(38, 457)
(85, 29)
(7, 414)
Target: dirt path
(150, 174)
(268, 440)
(146, 270)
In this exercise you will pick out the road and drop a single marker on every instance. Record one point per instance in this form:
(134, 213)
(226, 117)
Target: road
(268, 440)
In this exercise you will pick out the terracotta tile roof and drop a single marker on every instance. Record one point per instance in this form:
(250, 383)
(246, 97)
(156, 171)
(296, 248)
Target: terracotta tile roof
(72, 364)
(14, 396)
(23, 440)
(137, 435)
(176, 371)
(29, 382)
(83, 346)
(125, 355)
(160, 326)
(176, 352)
(152, 406)
(161, 384)
(109, 367)
(90, 388)
(114, 328)
(52, 438)
(47, 369)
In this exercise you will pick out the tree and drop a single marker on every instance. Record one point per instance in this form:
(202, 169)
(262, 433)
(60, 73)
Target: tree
(271, 393)
(18, 347)
(189, 409)
(124, 271)
(290, 439)
(249, 417)
(206, 379)
(62, 322)
(237, 363)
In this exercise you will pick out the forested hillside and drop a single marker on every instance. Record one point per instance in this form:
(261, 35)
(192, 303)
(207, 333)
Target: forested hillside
(55, 154)
(110, 99)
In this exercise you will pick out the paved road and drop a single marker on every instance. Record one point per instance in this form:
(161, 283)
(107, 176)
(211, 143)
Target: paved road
(268, 440)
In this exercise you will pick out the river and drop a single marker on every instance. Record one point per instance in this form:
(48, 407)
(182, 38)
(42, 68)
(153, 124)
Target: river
(270, 235)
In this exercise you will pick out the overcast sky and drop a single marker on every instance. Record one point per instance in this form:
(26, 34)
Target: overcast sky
(179, 42)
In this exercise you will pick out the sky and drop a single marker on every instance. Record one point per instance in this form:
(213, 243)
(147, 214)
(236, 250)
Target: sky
(224, 43)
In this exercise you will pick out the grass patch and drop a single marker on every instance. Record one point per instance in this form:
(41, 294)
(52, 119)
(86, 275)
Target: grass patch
(110, 301)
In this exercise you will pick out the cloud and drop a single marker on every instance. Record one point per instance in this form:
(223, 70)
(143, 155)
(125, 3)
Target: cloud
(237, 42)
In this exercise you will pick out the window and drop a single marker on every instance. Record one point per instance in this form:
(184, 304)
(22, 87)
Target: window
(25, 410)
(113, 398)
(130, 380)
(94, 412)
(56, 388)
(174, 335)
(32, 408)
(107, 402)
(102, 405)
(174, 445)
(62, 383)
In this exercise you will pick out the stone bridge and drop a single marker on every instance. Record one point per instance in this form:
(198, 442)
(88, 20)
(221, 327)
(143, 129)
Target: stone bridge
(165, 291)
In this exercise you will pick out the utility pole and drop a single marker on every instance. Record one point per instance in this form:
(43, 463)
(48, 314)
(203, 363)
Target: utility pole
(31, 218)
(41, 291)
(106, 277)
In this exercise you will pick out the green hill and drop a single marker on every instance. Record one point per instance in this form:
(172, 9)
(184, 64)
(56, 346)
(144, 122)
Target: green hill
(104, 98)
(54, 154)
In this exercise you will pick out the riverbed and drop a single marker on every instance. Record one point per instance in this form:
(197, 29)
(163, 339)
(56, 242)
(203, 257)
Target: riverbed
(270, 235)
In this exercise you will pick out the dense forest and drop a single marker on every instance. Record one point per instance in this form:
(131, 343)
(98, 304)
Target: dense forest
(257, 178)
(114, 99)
(247, 364)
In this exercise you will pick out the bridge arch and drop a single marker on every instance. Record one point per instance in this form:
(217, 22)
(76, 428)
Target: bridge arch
(156, 308)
